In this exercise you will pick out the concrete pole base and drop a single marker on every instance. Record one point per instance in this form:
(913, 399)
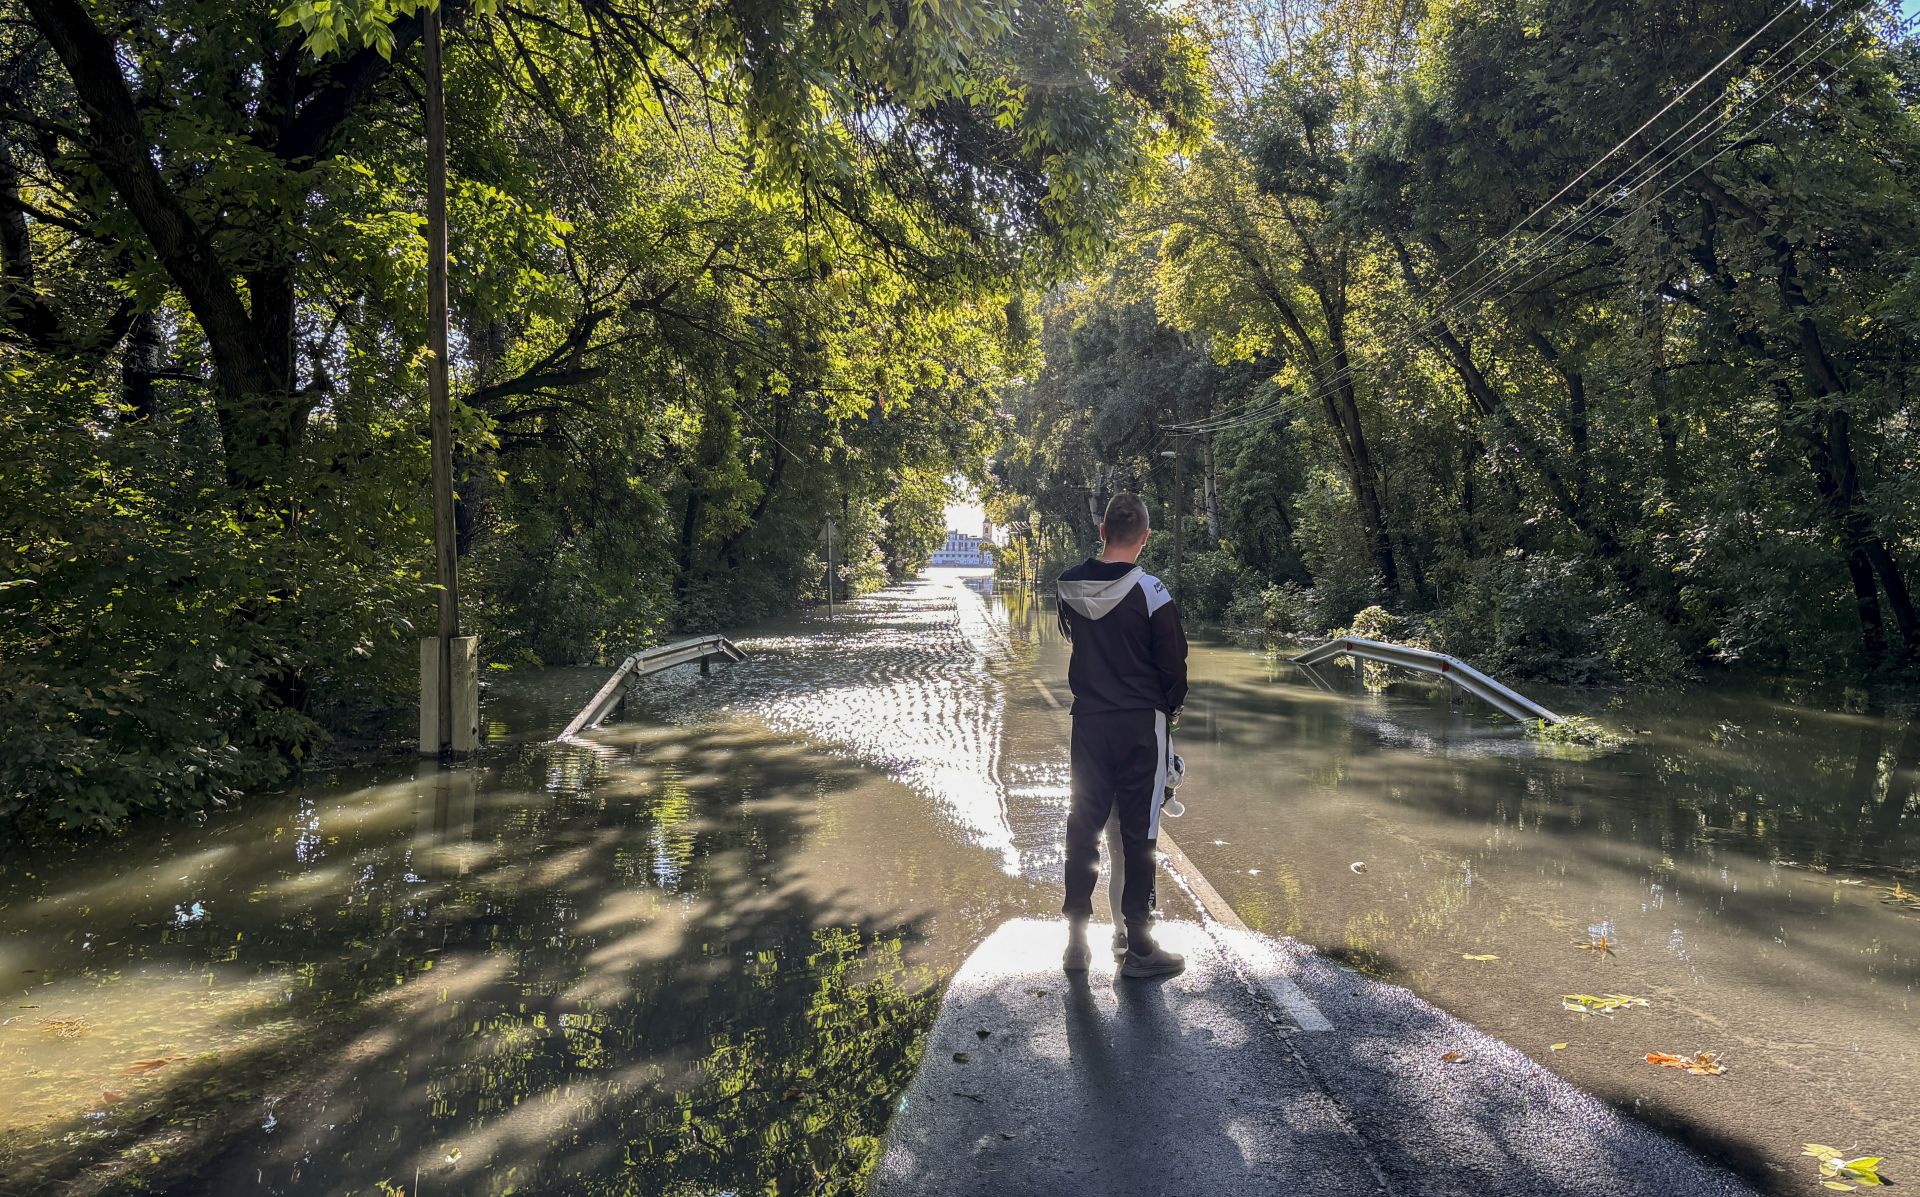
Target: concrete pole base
(466, 695)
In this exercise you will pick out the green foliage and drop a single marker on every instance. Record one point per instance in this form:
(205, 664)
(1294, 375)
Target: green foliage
(1209, 582)
(1544, 615)
(1677, 439)
(158, 650)
(1573, 729)
(719, 275)
(801, 1105)
(1283, 609)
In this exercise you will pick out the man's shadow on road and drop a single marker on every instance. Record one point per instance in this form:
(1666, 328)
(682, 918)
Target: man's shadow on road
(1138, 1126)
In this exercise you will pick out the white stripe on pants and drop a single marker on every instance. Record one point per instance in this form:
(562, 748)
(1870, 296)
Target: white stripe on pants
(1116, 854)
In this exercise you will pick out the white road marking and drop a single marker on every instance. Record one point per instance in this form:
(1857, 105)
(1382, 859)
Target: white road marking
(1241, 941)
(1045, 693)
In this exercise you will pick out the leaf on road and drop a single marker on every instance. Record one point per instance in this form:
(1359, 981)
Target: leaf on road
(959, 1057)
(1699, 1063)
(142, 1067)
(1455, 1057)
(1604, 1005)
(1861, 1172)
(1468, 956)
(1557, 1047)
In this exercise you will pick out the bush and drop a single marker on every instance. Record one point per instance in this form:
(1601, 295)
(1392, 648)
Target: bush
(1282, 610)
(1375, 623)
(159, 632)
(1210, 583)
(1549, 616)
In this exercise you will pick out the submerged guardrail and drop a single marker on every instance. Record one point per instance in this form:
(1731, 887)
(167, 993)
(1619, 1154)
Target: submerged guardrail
(651, 660)
(1466, 677)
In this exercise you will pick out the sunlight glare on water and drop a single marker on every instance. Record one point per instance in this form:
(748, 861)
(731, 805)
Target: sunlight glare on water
(908, 681)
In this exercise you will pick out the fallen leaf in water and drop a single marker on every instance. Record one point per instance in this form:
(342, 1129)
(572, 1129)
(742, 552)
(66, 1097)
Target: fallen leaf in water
(111, 1095)
(1597, 943)
(1557, 1047)
(1902, 897)
(66, 1028)
(959, 1057)
(453, 1155)
(793, 1093)
(1849, 881)
(1587, 1003)
(1467, 956)
(1699, 1063)
(142, 1067)
(1455, 1057)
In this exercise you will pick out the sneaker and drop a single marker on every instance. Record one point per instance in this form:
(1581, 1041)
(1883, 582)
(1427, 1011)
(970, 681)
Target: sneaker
(1079, 956)
(1157, 962)
(1119, 943)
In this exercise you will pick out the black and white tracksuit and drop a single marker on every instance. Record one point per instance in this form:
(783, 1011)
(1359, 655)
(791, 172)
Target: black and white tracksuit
(1128, 675)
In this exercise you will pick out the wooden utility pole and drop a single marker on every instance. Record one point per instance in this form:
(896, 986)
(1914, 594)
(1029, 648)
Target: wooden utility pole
(449, 683)
(829, 569)
(439, 404)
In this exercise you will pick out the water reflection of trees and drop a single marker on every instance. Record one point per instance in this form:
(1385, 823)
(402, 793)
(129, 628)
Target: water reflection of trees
(1771, 782)
(486, 970)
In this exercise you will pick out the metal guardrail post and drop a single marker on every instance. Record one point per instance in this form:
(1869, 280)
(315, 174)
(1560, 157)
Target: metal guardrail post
(640, 664)
(1458, 673)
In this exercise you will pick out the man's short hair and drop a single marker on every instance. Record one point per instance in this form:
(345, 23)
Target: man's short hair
(1126, 519)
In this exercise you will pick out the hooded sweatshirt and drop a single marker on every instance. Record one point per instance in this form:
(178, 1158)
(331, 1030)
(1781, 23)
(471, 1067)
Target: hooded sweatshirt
(1129, 650)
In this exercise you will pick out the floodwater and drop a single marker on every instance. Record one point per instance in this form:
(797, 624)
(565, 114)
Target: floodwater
(694, 952)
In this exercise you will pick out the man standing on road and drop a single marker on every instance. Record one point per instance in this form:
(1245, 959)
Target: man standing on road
(1129, 678)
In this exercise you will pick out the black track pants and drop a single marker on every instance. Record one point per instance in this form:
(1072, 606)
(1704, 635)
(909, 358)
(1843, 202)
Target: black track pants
(1119, 765)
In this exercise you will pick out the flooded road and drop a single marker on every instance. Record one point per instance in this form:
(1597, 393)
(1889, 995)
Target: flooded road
(692, 952)
(1747, 861)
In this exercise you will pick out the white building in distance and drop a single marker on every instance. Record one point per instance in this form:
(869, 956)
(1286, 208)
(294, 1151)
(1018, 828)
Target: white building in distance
(963, 552)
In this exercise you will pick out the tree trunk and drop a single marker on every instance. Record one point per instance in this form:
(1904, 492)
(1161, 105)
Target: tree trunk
(16, 247)
(1286, 531)
(139, 362)
(1576, 414)
(256, 431)
(1333, 382)
(689, 530)
(1828, 435)
(1211, 494)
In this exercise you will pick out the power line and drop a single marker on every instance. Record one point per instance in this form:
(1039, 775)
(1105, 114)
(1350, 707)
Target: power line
(1410, 338)
(1546, 240)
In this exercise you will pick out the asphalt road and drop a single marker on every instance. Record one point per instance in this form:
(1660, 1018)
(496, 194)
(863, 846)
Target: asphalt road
(1264, 1069)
